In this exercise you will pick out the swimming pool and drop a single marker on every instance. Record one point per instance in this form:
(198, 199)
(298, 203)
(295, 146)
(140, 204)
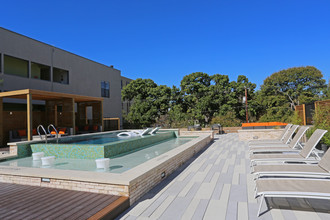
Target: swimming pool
(118, 163)
(98, 146)
(123, 178)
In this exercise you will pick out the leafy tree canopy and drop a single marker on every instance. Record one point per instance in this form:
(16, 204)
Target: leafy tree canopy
(283, 90)
(149, 101)
(293, 86)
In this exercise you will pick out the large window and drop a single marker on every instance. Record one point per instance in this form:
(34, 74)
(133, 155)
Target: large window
(60, 76)
(16, 66)
(39, 71)
(105, 89)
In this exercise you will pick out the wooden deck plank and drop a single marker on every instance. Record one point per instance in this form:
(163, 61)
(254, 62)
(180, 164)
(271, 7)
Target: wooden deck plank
(74, 213)
(45, 207)
(13, 195)
(61, 204)
(75, 206)
(26, 205)
(33, 202)
(12, 202)
(115, 208)
(94, 208)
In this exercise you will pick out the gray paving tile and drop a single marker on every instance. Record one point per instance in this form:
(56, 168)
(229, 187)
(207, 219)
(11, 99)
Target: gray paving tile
(231, 209)
(176, 209)
(199, 213)
(131, 217)
(148, 212)
(238, 193)
(167, 200)
(193, 190)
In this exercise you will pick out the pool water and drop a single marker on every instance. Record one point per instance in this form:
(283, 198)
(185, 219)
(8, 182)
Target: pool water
(118, 164)
(98, 139)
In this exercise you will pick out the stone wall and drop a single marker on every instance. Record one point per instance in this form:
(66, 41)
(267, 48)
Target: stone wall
(259, 134)
(148, 180)
(103, 188)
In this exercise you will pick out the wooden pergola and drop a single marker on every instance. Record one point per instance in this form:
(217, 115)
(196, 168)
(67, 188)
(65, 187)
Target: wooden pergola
(52, 98)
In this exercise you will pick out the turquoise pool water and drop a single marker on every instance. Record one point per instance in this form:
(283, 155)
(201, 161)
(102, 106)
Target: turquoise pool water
(118, 164)
(95, 139)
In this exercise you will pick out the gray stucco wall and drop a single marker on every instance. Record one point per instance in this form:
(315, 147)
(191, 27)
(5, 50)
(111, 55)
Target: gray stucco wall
(85, 76)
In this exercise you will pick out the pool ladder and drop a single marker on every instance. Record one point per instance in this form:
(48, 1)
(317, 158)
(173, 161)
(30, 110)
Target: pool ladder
(48, 128)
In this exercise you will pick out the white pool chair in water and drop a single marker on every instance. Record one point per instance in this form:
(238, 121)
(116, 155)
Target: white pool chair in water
(145, 132)
(135, 133)
(154, 131)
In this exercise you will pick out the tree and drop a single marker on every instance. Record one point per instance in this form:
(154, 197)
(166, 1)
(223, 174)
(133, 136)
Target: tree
(197, 98)
(238, 93)
(149, 101)
(283, 90)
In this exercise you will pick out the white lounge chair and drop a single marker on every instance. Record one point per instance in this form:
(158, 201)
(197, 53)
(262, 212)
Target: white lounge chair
(143, 132)
(286, 140)
(292, 188)
(282, 136)
(320, 170)
(134, 133)
(302, 156)
(154, 131)
(294, 145)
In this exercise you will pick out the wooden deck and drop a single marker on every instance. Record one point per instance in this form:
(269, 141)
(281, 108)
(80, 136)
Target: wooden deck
(32, 202)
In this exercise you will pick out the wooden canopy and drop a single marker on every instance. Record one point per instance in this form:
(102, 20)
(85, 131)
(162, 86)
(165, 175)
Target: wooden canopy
(49, 97)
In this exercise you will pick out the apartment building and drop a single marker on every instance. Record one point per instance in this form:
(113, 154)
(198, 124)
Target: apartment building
(26, 63)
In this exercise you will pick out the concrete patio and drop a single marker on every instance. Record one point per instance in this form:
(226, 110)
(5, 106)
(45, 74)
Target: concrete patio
(217, 184)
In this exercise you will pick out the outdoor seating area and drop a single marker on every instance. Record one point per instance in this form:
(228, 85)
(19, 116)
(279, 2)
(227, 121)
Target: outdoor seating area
(300, 173)
(220, 184)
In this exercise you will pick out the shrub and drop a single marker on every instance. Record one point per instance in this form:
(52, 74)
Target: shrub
(321, 120)
(227, 120)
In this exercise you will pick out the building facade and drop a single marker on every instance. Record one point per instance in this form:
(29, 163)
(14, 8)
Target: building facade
(26, 63)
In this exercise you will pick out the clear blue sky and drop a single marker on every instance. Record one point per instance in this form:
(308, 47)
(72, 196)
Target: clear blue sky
(166, 40)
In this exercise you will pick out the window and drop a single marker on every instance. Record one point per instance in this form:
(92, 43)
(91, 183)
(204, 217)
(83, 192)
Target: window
(39, 71)
(60, 76)
(105, 89)
(16, 66)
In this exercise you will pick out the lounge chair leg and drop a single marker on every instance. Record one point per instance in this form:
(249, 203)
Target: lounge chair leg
(262, 199)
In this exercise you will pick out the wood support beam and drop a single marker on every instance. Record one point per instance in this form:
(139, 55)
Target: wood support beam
(1, 123)
(29, 116)
(73, 117)
(101, 112)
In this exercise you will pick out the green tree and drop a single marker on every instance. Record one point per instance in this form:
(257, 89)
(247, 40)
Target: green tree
(197, 98)
(283, 90)
(149, 101)
(221, 92)
(238, 93)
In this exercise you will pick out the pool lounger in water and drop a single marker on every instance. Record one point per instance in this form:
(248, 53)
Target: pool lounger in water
(134, 133)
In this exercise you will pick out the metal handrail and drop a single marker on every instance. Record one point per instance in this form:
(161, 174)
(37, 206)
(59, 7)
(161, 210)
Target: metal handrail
(44, 132)
(51, 125)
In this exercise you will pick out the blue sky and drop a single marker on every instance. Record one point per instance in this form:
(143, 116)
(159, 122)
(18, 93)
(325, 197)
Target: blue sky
(166, 40)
